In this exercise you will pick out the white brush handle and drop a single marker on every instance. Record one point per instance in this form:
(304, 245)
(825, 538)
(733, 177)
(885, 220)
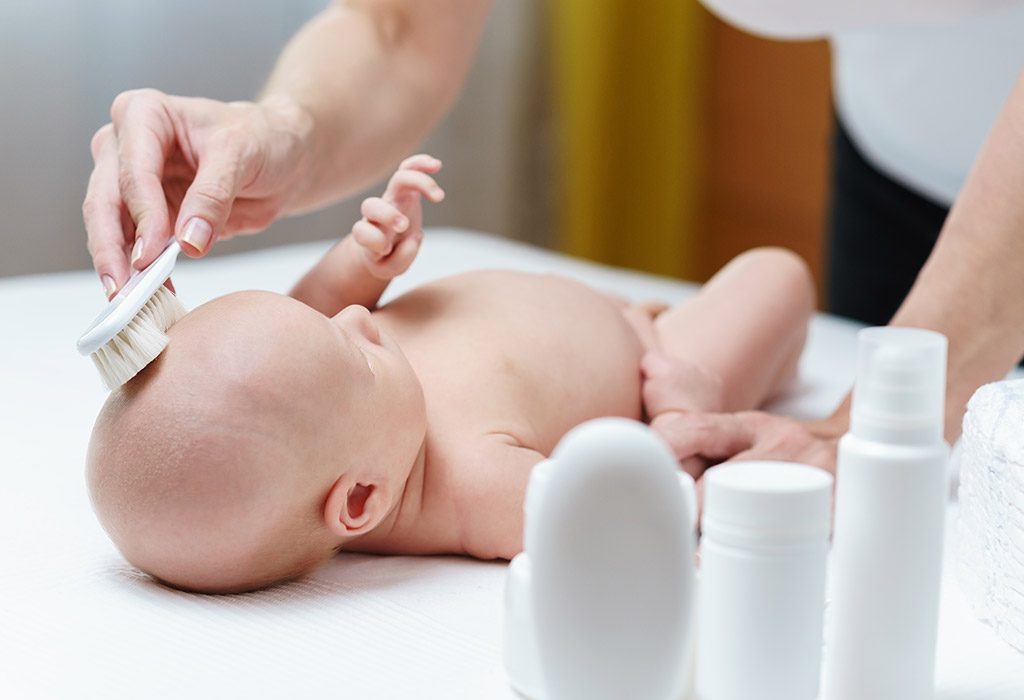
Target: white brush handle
(127, 302)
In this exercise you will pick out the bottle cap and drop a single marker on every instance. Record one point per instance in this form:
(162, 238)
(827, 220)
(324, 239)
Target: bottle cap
(900, 393)
(750, 503)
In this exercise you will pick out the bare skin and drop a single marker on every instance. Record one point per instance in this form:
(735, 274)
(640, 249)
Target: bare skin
(366, 80)
(971, 290)
(359, 86)
(411, 428)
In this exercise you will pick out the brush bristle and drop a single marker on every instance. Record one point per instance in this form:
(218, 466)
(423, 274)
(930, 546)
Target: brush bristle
(140, 341)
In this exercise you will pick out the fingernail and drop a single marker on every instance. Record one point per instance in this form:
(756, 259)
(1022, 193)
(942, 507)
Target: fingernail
(136, 251)
(401, 223)
(438, 193)
(109, 285)
(197, 233)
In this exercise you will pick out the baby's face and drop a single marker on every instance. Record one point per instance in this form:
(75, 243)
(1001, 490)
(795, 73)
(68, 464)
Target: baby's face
(209, 470)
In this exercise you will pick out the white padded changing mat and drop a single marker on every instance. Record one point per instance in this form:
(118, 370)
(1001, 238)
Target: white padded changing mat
(77, 622)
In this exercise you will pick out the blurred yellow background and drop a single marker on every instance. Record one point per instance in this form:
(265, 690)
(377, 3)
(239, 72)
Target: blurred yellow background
(682, 141)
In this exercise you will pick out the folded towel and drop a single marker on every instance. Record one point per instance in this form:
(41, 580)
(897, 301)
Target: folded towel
(990, 545)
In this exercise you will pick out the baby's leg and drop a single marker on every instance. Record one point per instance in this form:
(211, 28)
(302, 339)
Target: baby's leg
(747, 325)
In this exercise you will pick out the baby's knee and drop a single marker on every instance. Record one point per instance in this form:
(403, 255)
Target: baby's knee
(787, 270)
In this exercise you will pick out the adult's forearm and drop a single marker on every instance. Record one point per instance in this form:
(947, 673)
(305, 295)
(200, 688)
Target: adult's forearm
(972, 287)
(373, 77)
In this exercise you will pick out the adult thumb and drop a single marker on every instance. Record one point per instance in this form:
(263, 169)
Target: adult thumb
(207, 204)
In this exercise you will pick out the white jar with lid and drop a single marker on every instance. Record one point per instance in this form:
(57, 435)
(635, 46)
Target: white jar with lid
(761, 594)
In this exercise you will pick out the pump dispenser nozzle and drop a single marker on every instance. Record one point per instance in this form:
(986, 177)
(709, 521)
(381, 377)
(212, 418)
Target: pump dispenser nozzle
(900, 393)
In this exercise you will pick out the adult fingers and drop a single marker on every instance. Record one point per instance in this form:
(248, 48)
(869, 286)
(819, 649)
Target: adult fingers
(714, 436)
(207, 205)
(753, 435)
(102, 214)
(791, 444)
(249, 215)
(145, 135)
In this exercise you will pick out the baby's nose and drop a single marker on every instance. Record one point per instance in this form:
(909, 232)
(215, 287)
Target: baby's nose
(358, 319)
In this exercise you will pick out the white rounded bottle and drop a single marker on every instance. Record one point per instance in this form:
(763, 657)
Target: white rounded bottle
(891, 488)
(599, 605)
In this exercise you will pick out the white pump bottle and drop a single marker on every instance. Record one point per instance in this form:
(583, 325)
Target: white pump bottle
(891, 487)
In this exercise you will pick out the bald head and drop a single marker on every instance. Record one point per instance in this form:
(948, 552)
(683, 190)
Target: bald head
(208, 469)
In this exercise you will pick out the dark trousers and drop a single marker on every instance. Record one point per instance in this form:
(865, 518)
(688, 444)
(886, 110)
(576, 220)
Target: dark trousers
(879, 235)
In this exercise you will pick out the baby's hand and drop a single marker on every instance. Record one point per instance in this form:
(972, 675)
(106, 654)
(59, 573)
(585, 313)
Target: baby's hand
(390, 231)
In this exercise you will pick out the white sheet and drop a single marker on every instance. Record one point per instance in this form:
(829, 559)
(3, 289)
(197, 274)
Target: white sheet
(76, 621)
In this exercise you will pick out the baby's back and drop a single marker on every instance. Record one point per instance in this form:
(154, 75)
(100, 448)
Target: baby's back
(522, 354)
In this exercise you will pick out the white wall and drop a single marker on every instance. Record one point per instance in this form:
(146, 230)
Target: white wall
(62, 62)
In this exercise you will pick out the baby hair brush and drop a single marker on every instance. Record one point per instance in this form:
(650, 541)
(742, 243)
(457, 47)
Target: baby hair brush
(131, 331)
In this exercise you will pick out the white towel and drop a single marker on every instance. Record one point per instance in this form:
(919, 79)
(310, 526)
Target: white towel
(990, 545)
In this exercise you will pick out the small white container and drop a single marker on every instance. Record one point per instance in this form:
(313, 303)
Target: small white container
(761, 595)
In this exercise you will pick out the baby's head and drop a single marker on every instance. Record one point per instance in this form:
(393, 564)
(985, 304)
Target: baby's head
(264, 437)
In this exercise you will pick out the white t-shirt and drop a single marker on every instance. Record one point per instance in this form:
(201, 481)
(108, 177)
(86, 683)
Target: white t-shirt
(917, 83)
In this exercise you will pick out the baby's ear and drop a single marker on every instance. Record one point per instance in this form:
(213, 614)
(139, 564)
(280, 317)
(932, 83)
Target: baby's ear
(354, 508)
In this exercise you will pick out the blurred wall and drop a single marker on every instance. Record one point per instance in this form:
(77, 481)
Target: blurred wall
(767, 119)
(63, 62)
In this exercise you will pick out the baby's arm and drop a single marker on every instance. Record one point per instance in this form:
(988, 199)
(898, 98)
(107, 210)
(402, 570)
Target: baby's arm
(381, 246)
(490, 497)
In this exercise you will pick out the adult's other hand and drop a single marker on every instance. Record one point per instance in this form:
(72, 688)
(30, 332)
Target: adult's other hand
(750, 435)
(194, 168)
(676, 399)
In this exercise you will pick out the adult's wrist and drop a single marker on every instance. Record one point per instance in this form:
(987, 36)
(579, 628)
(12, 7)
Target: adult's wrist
(292, 132)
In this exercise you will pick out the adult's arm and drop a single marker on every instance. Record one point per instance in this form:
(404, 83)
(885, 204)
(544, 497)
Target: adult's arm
(357, 88)
(971, 289)
(375, 76)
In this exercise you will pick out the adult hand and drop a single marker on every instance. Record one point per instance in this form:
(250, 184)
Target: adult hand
(699, 436)
(749, 435)
(197, 169)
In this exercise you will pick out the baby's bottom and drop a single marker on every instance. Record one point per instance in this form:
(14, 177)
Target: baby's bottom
(744, 330)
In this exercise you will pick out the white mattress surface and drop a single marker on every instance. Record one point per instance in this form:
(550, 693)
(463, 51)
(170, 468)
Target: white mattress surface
(76, 621)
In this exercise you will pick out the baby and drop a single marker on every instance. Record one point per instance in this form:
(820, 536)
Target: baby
(277, 430)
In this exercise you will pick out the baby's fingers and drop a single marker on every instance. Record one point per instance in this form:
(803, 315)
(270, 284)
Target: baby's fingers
(386, 217)
(384, 214)
(407, 181)
(370, 237)
(400, 259)
(422, 162)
